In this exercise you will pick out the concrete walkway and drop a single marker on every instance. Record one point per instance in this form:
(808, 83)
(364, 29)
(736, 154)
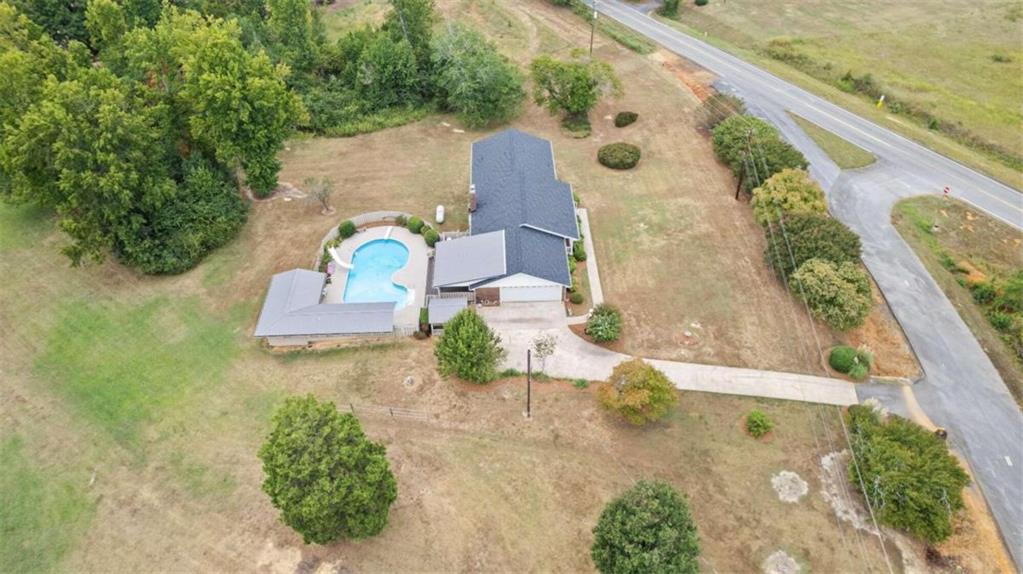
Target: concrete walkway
(576, 358)
(592, 273)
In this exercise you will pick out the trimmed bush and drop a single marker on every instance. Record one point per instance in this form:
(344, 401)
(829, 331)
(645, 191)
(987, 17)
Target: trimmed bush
(789, 191)
(619, 155)
(469, 349)
(912, 481)
(808, 236)
(431, 237)
(733, 141)
(842, 358)
(647, 529)
(346, 229)
(625, 118)
(415, 225)
(576, 298)
(605, 323)
(401, 221)
(579, 251)
(701, 2)
(718, 108)
(638, 392)
(837, 294)
(758, 424)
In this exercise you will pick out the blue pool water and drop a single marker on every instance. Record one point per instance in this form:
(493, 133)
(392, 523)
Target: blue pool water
(373, 264)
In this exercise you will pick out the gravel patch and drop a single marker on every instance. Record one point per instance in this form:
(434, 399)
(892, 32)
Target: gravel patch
(789, 486)
(780, 563)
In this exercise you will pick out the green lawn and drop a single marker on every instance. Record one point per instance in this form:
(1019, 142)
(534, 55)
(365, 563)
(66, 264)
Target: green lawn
(40, 516)
(843, 153)
(119, 365)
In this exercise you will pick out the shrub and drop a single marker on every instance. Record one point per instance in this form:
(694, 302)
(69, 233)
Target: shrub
(580, 383)
(701, 2)
(788, 192)
(647, 529)
(576, 298)
(907, 473)
(984, 293)
(736, 136)
(346, 229)
(842, 358)
(623, 119)
(669, 8)
(638, 392)
(328, 480)
(758, 424)
(619, 155)
(605, 323)
(431, 237)
(468, 348)
(1000, 320)
(579, 251)
(859, 371)
(807, 236)
(1010, 299)
(837, 294)
(401, 220)
(415, 225)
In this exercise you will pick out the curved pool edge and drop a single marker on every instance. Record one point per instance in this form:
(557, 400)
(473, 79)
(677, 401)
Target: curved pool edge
(409, 290)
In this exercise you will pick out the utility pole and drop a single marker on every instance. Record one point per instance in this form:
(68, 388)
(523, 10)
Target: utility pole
(529, 382)
(593, 26)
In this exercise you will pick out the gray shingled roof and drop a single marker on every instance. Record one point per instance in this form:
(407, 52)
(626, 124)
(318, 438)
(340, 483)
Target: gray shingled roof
(517, 190)
(442, 310)
(469, 259)
(292, 307)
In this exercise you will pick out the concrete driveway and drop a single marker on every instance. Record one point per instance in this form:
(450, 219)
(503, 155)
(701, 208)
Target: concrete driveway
(519, 324)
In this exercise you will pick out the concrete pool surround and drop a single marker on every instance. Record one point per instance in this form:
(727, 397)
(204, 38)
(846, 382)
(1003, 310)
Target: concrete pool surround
(412, 276)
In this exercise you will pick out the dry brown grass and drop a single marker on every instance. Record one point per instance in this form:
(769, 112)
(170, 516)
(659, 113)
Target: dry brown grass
(480, 488)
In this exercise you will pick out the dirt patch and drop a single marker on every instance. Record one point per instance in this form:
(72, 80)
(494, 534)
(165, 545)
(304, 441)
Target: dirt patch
(780, 563)
(789, 486)
(883, 337)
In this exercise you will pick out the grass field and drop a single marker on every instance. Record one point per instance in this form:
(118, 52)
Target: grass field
(975, 246)
(843, 153)
(134, 406)
(961, 63)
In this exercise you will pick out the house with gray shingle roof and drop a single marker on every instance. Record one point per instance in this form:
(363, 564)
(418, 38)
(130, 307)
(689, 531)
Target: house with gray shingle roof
(522, 223)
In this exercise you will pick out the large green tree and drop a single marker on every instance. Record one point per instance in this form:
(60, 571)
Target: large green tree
(572, 87)
(469, 349)
(647, 530)
(94, 152)
(474, 79)
(294, 35)
(235, 103)
(328, 480)
(412, 21)
(63, 20)
(910, 478)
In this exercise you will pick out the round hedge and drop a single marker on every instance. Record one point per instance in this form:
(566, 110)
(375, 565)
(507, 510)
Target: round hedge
(576, 298)
(619, 155)
(842, 358)
(625, 118)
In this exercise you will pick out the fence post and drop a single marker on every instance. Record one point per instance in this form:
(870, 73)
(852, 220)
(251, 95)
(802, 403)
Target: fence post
(351, 406)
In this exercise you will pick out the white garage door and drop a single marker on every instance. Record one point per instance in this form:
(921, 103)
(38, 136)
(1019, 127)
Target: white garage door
(537, 293)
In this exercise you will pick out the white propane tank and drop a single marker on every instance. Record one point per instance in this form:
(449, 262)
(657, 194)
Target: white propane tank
(440, 214)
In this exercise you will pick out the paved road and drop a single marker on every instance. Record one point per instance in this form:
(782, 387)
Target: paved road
(519, 324)
(961, 390)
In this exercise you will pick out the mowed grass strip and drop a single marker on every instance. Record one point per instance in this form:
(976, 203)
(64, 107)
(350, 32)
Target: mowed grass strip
(118, 365)
(846, 155)
(40, 516)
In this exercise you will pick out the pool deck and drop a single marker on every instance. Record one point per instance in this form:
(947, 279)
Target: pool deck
(412, 276)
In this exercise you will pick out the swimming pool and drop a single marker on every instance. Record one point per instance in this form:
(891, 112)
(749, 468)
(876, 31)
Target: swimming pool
(369, 279)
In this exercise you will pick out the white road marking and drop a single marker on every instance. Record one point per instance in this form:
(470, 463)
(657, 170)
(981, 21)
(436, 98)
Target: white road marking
(1008, 460)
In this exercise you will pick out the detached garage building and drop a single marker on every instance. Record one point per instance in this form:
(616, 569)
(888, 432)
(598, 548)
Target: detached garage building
(522, 224)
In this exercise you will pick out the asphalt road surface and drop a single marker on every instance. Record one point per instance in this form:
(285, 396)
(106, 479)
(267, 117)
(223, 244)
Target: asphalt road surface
(960, 390)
